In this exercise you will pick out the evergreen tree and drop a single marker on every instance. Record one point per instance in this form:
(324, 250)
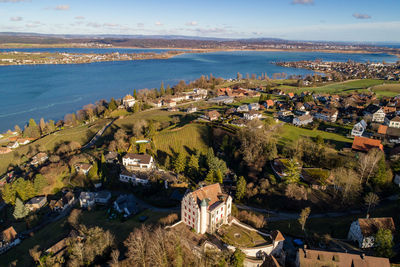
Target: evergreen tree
(162, 89)
(169, 90)
(103, 168)
(93, 172)
(135, 93)
(113, 104)
(20, 211)
(292, 172)
(193, 166)
(240, 188)
(384, 243)
(210, 177)
(142, 148)
(39, 183)
(219, 177)
(136, 107)
(167, 163)
(238, 258)
(17, 129)
(32, 130)
(383, 175)
(179, 163)
(42, 126)
(8, 194)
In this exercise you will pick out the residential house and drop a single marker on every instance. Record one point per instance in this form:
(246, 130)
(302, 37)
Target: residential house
(8, 239)
(254, 106)
(325, 114)
(126, 204)
(359, 128)
(299, 106)
(128, 101)
(102, 197)
(83, 168)
(169, 103)
(111, 157)
(212, 115)
(365, 144)
(269, 103)
(290, 95)
(191, 110)
(243, 108)
(86, 199)
(23, 141)
(377, 113)
(395, 122)
(39, 158)
(13, 145)
(206, 208)
(363, 230)
(138, 162)
(321, 258)
(303, 120)
(36, 203)
(224, 99)
(238, 123)
(252, 115)
(128, 177)
(157, 103)
(66, 201)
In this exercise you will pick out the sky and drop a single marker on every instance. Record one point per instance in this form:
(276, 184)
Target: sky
(314, 20)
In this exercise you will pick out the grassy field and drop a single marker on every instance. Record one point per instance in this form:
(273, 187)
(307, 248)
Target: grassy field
(390, 90)
(45, 237)
(238, 236)
(81, 134)
(291, 133)
(190, 137)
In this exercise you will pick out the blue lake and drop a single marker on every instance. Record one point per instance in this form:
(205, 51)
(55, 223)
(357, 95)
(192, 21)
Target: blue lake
(51, 91)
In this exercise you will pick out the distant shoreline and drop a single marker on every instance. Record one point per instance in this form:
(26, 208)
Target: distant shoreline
(193, 50)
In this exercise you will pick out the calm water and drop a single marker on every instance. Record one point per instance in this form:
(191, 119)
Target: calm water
(86, 50)
(51, 91)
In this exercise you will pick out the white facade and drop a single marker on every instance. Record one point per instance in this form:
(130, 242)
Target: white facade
(359, 128)
(137, 161)
(86, 199)
(131, 178)
(251, 116)
(356, 235)
(129, 101)
(395, 122)
(378, 116)
(206, 214)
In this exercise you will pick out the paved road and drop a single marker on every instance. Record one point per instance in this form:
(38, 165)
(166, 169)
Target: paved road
(98, 135)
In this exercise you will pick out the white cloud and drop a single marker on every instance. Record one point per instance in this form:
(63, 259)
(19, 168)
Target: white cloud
(61, 7)
(191, 23)
(303, 2)
(361, 16)
(80, 17)
(16, 18)
(158, 23)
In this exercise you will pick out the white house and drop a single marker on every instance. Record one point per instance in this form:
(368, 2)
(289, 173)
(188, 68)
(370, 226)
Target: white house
(128, 177)
(138, 161)
(13, 145)
(303, 120)
(87, 199)
(395, 122)
(8, 239)
(359, 128)
(128, 101)
(363, 230)
(254, 106)
(251, 115)
(243, 108)
(206, 209)
(377, 113)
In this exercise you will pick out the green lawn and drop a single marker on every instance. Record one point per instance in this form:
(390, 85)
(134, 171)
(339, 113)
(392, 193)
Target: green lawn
(238, 236)
(192, 136)
(81, 134)
(292, 133)
(390, 90)
(46, 237)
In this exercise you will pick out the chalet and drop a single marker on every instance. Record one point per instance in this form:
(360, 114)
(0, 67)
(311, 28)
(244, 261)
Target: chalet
(206, 209)
(128, 177)
(8, 239)
(377, 113)
(321, 258)
(86, 199)
(251, 115)
(39, 158)
(138, 162)
(325, 114)
(303, 120)
(395, 122)
(212, 115)
(363, 230)
(254, 106)
(128, 101)
(242, 108)
(359, 128)
(102, 197)
(111, 157)
(365, 144)
(36, 203)
(66, 201)
(126, 205)
(83, 168)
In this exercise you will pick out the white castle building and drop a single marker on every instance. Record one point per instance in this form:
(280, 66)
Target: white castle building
(206, 209)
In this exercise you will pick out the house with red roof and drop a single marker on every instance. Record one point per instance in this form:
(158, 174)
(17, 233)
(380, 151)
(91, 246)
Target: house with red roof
(365, 144)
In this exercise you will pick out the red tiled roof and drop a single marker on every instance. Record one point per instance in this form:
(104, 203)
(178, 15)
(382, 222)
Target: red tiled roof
(9, 234)
(382, 129)
(365, 144)
(210, 192)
